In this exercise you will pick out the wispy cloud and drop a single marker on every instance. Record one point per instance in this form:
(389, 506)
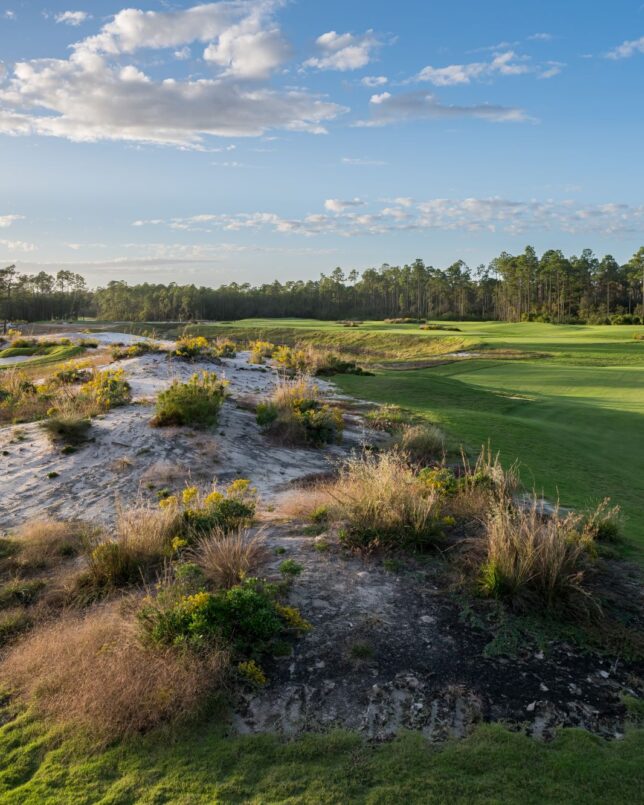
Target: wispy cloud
(388, 109)
(8, 220)
(74, 18)
(627, 49)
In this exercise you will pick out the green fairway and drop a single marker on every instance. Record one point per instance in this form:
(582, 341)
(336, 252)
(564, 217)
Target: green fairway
(573, 417)
(202, 765)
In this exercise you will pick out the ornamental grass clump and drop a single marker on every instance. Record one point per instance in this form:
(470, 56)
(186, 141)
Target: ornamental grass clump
(537, 562)
(195, 403)
(422, 444)
(295, 414)
(380, 502)
(227, 558)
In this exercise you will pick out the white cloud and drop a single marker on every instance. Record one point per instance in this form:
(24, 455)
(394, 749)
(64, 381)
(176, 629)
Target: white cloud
(627, 49)
(343, 51)
(93, 95)
(493, 214)
(338, 205)
(17, 246)
(506, 63)
(551, 69)
(8, 220)
(74, 18)
(542, 37)
(182, 54)
(9, 14)
(374, 80)
(388, 109)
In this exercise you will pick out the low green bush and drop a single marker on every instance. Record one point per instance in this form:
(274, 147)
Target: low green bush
(121, 352)
(107, 389)
(194, 403)
(192, 349)
(71, 429)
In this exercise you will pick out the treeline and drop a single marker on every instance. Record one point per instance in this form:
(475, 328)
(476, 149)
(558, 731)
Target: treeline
(552, 287)
(38, 297)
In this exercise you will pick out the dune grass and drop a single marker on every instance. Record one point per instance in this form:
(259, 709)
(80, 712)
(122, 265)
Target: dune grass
(202, 765)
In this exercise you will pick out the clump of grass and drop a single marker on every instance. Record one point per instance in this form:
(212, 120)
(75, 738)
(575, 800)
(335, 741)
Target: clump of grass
(389, 418)
(226, 559)
(448, 327)
(20, 592)
(535, 561)
(381, 503)
(310, 360)
(422, 444)
(142, 541)
(290, 568)
(120, 352)
(95, 673)
(605, 522)
(194, 403)
(295, 414)
(224, 348)
(70, 428)
(12, 623)
(44, 542)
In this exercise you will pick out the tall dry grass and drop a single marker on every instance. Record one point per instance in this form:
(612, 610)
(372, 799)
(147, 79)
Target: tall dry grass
(422, 444)
(226, 559)
(537, 561)
(93, 672)
(44, 541)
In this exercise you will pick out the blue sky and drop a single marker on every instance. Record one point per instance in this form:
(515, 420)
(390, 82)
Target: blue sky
(252, 139)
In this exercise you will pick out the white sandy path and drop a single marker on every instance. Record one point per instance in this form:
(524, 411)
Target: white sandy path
(127, 455)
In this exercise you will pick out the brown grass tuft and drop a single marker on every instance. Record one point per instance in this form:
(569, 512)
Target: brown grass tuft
(45, 541)
(227, 559)
(93, 672)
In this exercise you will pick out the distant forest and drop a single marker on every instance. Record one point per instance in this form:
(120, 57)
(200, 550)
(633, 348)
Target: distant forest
(551, 288)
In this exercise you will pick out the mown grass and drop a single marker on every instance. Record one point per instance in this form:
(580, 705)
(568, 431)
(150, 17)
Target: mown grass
(55, 355)
(202, 765)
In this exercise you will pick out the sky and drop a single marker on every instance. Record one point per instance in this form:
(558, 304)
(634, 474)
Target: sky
(249, 140)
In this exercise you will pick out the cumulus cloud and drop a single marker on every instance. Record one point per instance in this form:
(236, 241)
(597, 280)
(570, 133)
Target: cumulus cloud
(338, 205)
(74, 18)
(8, 220)
(358, 218)
(627, 49)
(388, 109)
(95, 94)
(343, 51)
(506, 63)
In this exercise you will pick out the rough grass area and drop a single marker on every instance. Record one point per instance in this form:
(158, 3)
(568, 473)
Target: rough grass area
(202, 765)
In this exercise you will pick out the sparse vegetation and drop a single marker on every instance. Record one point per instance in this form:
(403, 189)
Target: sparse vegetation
(227, 558)
(121, 352)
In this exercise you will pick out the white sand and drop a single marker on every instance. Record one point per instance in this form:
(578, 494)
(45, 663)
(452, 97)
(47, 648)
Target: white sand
(127, 455)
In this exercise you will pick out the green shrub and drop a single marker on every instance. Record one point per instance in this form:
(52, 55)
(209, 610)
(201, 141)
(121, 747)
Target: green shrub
(191, 349)
(224, 511)
(70, 375)
(441, 479)
(195, 403)
(245, 616)
(107, 389)
(290, 568)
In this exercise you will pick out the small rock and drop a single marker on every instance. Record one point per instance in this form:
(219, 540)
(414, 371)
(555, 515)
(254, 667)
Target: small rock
(604, 674)
(427, 619)
(543, 688)
(530, 708)
(539, 655)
